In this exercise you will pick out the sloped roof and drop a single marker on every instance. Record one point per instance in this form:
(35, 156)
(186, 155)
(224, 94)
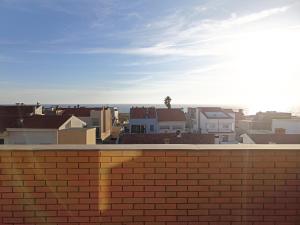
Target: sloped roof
(39, 122)
(215, 113)
(170, 115)
(275, 138)
(172, 138)
(16, 110)
(79, 112)
(142, 113)
(7, 121)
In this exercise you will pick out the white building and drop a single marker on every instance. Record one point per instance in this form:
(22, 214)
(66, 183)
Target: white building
(171, 121)
(287, 126)
(38, 129)
(151, 120)
(143, 120)
(213, 120)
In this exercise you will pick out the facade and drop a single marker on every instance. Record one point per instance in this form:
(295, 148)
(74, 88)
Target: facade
(213, 120)
(287, 126)
(151, 120)
(42, 130)
(171, 121)
(77, 136)
(102, 119)
(143, 120)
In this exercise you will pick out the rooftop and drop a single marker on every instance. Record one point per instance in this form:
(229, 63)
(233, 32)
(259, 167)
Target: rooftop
(16, 110)
(142, 113)
(170, 114)
(170, 138)
(275, 138)
(38, 122)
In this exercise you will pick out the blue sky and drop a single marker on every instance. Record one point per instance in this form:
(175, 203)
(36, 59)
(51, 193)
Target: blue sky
(123, 51)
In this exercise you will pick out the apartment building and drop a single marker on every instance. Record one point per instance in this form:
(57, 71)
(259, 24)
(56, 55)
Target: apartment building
(213, 120)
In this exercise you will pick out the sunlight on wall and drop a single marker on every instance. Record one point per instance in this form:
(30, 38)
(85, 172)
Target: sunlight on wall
(108, 161)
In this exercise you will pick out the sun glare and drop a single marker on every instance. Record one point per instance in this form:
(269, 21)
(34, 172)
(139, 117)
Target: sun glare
(266, 62)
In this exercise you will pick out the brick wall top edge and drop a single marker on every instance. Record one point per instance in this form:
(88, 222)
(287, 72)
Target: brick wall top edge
(155, 147)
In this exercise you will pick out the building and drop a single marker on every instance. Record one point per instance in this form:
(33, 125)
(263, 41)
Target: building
(41, 129)
(270, 138)
(213, 120)
(151, 120)
(102, 119)
(168, 138)
(143, 120)
(171, 121)
(20, 110)
(269, 115)
(262, 121)
(287, 126)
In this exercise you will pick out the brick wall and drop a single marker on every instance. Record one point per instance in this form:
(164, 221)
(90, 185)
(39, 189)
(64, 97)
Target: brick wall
(167, 187)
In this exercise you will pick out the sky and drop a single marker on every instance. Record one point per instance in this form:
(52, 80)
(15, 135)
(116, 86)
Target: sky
(211, 52)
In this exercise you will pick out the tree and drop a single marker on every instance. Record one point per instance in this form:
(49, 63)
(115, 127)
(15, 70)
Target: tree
(168, 102)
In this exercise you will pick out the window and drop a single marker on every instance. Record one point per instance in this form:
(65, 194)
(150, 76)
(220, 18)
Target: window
(98, 132)
(135, 129)
(151, 127)
(138, 129)
(1, 141)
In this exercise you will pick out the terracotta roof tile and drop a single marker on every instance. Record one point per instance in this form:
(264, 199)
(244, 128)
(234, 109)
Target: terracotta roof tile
(142, 113)
(170, 115)
(16, 110)
(39, 122)
(79, 112)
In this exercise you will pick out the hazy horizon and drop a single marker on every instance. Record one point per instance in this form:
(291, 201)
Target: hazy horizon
(206, 52)
(124, 107)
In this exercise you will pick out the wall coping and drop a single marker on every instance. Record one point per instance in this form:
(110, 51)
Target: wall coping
(128, 147)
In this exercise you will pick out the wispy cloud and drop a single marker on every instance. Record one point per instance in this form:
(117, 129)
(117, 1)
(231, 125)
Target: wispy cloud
(178, 35)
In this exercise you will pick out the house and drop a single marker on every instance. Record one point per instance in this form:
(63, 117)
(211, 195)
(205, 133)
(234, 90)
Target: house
(171, 120)
(20, 110)
(142, 120)
(287, 126)
(168, 138)
(41, 129)
(213, 120)
(270, 138)
(262, 121)
(151, 120)
(102, 119)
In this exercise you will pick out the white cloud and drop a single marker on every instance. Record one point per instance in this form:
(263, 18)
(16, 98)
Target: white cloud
(181, 35)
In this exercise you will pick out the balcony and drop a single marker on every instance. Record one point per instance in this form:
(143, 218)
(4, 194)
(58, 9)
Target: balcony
(150, 184)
